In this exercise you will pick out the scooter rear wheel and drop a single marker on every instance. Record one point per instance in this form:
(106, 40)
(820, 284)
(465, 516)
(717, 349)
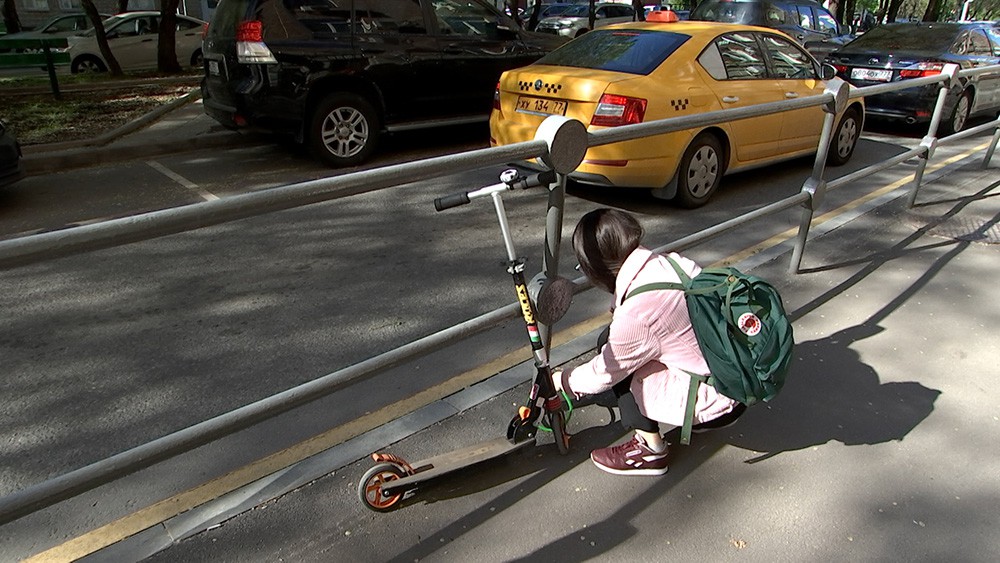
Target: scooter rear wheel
(370, 487)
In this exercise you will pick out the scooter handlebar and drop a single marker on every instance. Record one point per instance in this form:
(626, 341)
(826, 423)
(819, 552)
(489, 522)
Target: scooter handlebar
(533, 181)
(511, 180)
(449, 201)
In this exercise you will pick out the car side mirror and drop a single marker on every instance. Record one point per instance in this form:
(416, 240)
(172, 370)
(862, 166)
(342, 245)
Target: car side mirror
(827, 72)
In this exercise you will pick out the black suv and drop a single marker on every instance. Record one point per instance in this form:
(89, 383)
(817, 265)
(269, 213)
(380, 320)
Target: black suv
(338, 74)
(806, 21)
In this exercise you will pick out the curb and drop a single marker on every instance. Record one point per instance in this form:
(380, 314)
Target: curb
(58, 157)
(130, 127)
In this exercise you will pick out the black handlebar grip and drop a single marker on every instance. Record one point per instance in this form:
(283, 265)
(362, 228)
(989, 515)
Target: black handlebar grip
(449, 201)
(541, 179)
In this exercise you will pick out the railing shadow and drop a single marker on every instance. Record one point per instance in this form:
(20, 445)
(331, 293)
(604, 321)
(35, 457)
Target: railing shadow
(831, 395)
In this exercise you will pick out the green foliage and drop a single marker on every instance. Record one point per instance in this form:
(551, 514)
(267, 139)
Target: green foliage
(39, 118)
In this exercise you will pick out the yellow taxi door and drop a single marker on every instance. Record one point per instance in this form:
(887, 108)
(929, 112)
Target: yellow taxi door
(797, 77)
(739, 78)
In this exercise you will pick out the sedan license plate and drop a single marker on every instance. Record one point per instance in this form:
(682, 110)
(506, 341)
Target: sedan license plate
(871, 74)
(540, 106)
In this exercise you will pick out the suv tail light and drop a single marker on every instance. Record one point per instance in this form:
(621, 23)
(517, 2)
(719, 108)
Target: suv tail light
(614, 110)
(250, 47)
(204, 31)
(496, 98)
(922, 69)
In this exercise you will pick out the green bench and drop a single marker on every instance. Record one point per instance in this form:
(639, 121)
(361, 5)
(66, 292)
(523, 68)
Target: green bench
(21, 53)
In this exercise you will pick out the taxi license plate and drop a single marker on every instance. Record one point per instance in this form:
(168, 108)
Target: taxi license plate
(871, 74)
(528, 104)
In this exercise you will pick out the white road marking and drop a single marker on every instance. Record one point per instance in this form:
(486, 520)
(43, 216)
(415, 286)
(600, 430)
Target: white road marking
(204, 194)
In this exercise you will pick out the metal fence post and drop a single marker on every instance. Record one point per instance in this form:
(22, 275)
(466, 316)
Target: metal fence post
(993, 145)
(815, 186)
(567, 143)
(930, 141)
(553, 240)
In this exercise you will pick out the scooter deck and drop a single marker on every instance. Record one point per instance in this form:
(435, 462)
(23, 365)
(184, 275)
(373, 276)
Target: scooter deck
(445, 463)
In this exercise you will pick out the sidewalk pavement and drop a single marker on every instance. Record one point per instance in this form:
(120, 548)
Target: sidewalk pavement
(881, 447)
(179, 126)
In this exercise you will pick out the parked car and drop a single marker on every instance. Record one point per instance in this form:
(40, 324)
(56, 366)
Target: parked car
(892, 52)
(10, 157)
(548, 10)
(640, 72)
(806, 21)
(133, 38)
(62, 25)
(576, 20)
(305, 69)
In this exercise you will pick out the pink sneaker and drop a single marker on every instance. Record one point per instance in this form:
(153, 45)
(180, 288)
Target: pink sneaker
(631, 458)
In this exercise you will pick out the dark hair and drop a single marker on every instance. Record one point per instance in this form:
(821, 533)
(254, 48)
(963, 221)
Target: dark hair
(603, 239)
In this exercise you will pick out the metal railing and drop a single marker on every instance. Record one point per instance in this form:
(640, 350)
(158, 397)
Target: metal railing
(556, 146)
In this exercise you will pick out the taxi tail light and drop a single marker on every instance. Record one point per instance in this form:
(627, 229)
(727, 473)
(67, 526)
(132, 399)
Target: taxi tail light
(613, 110)
(922, 69)
(496, 98)
(250, 47)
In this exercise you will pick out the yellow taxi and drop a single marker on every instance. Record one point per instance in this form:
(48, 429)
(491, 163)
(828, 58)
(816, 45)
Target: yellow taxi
(645, 71)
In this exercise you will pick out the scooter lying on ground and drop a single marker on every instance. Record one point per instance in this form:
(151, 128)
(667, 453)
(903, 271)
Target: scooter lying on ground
(385, 484)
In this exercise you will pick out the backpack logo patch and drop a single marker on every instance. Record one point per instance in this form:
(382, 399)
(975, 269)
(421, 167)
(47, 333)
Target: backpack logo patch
(749, 324)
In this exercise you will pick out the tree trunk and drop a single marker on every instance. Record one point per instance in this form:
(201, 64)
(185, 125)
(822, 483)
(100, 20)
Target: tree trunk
(536, 9)
(10, 16)
(591, 15)
(166, 48)
(640, 10)
(102, 37)
(893, 12)
(513, 6)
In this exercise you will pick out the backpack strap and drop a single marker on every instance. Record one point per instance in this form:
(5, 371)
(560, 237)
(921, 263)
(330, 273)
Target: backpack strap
(655, 286)
(692, 398)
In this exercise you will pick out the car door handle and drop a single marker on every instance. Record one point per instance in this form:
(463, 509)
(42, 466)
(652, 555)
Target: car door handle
(730, 99)
(791, 95)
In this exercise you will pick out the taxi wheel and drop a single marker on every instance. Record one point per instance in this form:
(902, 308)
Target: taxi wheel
(700, 172)
(845, 138)
(344, 130)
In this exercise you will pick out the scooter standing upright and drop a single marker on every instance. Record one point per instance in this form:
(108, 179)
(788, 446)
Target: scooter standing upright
(384, 485)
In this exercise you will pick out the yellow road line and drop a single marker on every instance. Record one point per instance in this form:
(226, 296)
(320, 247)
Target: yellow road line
(145, 518)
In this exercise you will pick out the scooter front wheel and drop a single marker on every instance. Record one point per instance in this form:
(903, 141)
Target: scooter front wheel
(370, 487)
(557, 422)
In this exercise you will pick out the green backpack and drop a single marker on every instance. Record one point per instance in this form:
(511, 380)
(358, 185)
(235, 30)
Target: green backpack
(742, 330)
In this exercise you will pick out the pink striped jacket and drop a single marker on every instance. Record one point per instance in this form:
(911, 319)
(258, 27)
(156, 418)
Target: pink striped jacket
(651, 336)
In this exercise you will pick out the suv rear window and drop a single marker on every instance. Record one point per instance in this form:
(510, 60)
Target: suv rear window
(227, 17)
(631, 51)
(927, 37)
(733, 12)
